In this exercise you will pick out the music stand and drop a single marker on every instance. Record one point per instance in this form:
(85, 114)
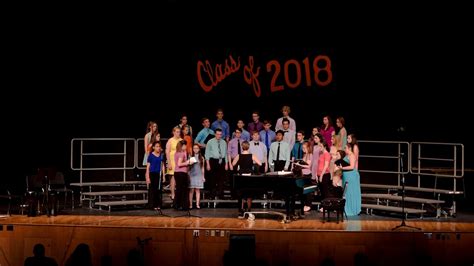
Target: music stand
(403, 224)
(208, 138)
(46, 204)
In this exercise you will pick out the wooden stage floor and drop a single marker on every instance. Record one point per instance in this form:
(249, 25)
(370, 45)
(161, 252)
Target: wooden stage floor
(204, 241)
(226, 219)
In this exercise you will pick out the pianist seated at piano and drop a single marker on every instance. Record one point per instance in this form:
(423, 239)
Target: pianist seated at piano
(305, 165)
(305, 162)
(279, 158)
(245, 165)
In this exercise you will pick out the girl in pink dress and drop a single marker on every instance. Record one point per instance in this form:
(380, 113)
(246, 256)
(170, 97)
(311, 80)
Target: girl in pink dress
(327, 130)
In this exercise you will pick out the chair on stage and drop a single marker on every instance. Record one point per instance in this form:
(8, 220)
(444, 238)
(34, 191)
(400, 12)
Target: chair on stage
(34, 183)
(34, 190)
(41, 195)
(337, 204)
(12, 196)
(58, 184)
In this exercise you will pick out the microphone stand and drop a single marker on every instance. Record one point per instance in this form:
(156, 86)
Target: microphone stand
(160, 182)
(46, 204)
(403, 224)
(188, 214)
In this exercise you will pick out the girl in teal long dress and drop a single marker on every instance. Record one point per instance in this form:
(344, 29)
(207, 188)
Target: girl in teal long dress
(351, 176)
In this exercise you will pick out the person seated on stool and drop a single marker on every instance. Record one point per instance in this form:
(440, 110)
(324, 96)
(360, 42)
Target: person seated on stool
(305, 164)
(244, 163)
(336, 190)
(337, 178)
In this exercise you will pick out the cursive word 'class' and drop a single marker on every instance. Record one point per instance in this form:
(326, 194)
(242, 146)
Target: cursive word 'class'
(209, 76)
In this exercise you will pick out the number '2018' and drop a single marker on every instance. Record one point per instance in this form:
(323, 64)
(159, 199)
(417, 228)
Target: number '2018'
(307, 71)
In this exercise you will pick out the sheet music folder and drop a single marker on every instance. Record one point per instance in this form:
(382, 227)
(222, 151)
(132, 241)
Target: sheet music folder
(209, 137)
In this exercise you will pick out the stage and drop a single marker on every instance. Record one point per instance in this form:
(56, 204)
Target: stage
(203, 241)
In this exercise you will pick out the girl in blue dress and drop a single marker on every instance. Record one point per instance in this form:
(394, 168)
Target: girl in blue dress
(351, 176)
(154, 170)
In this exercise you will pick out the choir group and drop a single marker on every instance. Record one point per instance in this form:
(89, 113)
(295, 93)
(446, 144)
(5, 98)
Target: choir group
(329, 156)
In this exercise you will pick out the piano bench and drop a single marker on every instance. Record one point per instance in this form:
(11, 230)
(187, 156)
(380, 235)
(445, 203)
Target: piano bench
(333, 204)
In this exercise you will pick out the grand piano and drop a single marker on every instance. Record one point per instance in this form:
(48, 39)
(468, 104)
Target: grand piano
(284, 185)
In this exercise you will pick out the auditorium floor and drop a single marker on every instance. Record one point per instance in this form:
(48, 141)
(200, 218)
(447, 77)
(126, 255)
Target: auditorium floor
(232, 213)
(227, 218)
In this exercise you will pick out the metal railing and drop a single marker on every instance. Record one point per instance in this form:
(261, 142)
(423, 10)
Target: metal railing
(83, 154)
(138, 164)
(393, 151)
(455, 168)
(402, 148)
